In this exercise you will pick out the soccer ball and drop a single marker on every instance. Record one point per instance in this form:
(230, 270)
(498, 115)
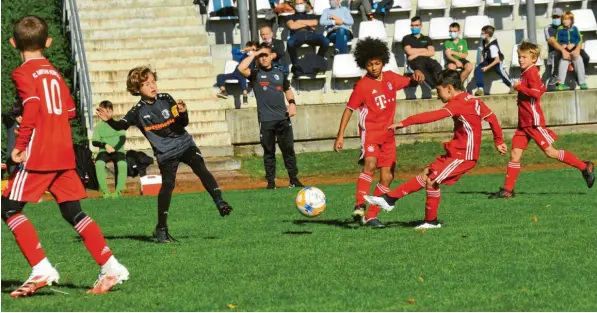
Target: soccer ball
(310, 201)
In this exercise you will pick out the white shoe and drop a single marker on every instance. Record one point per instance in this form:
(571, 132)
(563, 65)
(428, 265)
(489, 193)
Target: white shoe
(37, 280)
(108, 278)
(380, 202)
(428, 225)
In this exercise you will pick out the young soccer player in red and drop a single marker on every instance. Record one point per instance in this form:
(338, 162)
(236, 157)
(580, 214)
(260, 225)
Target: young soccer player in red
(462, 152)
(375, 96)
(531, 124)
(44, 147)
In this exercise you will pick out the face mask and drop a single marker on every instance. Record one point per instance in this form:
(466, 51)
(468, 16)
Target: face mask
(453, 35)
(268, 40)
(300, 8)
(250, 53)
(556, 22)
(415, 30)
(333, 4)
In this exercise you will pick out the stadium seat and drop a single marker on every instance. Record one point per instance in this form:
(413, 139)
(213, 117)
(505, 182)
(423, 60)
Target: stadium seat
(401, 6)
(215, 5)
(439, 28)
(591, 50)
(299, 78)
(565, 1)
(392, 66)
(345, 67)
(261, 5)
(473, 25)
(497, 3)
(431, 4)
(229, 68)
(401, 29)
(523, 2)
(374, 29)
(585, 20)
(320, 5)
(467, 3)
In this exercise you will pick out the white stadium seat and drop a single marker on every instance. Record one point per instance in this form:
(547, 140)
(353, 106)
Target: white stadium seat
(215, 5)
(392, 66)
(473, 25)
(346, 67)
(431, 4)
(401, 29)
(320, 5)
(585, 20)
(401, 6)
(261, 5)
(374, 29)
(439, 28)
(466, 3)
(497, 3)
(591, 50)
(523, 2)
(229, 68)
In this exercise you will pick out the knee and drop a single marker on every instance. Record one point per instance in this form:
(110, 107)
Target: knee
(515, 155)
(168, 185)
(100, 165)
(71, 212)
(468, 67)
(121, 165)
(451, 66)
(370, 165)
(386, 178)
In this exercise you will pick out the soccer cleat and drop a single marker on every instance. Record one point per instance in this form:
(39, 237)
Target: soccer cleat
(271, 185)
(562, 87)
(223, 95)
(385, 202)
(373, 223)
(554, 80)
(294, 182)
(583, 86)
(162, 235)
(359, 212)
(223, 207)
(35, 282)
(429, 225)
(589, 174)
(108, 278)
(503, 193)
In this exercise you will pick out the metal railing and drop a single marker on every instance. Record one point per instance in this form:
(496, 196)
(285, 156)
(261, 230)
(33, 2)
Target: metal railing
(81, 80)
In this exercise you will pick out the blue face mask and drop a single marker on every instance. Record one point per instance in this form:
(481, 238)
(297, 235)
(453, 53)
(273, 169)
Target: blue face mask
(415, 30)
(556, 22)
(453, 35)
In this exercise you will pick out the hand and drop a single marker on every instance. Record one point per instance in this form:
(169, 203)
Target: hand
(458, 63)
(18, 156)
(485, 69)
(418, 76)
(181, 106)
(339, 21)
(565, 55)
(516, 83)
(449, 52)
(575, 54)
(502, 149)
(339, 144)
(396, 126)
(333, 17)
(291, 110)
(109, 148)
(103, 114)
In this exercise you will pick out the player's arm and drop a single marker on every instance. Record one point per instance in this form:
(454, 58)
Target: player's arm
(96, 139)
(121, 141)
(339, 143)
(179, 111)
(291, 108)
(123, 124)
(31, 105)
(496, 129)
(244, 68)
(68, 101)
(423, 118)
(534, 86)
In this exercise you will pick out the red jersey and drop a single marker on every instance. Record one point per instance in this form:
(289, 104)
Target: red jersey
(468, 112)
(45, 131)
(376, 99)
(529, 94)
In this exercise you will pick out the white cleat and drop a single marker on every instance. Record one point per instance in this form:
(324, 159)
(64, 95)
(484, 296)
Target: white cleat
(108, 278)
(380, 202)
(37, 280)
(429, 225)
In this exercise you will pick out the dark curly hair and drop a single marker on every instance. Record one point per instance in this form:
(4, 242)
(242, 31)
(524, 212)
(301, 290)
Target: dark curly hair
(369, 49)
(449, 77)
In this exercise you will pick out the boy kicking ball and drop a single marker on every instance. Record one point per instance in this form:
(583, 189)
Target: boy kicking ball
(462, 152)
(531, 124)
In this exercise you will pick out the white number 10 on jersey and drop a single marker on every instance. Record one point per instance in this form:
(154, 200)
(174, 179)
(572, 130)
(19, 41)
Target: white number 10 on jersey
(53, 97)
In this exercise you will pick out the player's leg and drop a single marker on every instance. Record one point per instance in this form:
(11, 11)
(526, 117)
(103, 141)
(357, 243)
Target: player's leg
(452, 66)
(267, 137)
(121, 172)
(194, 159)
(520, 142)
(383, 187)
(387, 201)
(168, 170)
(285, 139)
(364, 181)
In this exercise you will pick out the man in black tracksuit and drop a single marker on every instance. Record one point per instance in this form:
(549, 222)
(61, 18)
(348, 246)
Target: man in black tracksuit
(162, 121)
(271, 84)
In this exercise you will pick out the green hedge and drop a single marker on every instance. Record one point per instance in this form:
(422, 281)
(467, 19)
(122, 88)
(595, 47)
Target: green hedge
(59, 53)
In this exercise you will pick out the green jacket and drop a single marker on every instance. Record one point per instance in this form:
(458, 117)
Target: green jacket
(104, 134)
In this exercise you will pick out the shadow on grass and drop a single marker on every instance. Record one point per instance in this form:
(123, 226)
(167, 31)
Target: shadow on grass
(143, 238)
(9, 286)
(487, 193)
(351, 224)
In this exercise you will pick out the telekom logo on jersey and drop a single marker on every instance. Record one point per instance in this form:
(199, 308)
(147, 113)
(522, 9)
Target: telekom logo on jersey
(381, 101)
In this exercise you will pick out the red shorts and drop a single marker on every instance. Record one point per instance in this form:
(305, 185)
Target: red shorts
(384, 151)
(447, 171)
(543, 137)
(30, 186)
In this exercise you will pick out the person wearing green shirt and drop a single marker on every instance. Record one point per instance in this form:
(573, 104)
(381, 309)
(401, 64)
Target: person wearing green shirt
(456, 51)
(111, 149)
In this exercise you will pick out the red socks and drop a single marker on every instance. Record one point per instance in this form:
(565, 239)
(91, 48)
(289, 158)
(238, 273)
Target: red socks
(363, 187)
(511, 175)
(431, 204)
(94, 240)
(374, 209)
(26, 238)
(413, 185)
(571, 159)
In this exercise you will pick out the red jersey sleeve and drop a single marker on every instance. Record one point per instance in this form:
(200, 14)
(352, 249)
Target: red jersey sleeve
(489, 117)
(31, 104)
(533, 86)
(356, 98)
(401, 81)
(425, 117)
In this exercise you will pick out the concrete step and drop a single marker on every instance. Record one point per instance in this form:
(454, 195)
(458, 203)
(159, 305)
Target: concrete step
(148, 54)
(148, 13)
(150, 32)
(135, 43)
(194, 116)
(181, 94)
(119, 23)
(189, 71)
(204, 139)
(129, 4)
(112, 65)
(164, 84)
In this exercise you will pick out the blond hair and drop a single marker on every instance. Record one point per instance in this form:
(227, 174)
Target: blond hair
(137, 76)
(528, 47)
(568, 16)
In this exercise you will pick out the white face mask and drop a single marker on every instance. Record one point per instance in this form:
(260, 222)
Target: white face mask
(300, 8)
(453, 35)
(268, 39)
(333, 4)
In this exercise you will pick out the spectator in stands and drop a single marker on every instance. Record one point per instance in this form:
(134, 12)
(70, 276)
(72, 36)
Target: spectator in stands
(302, 30)
(111, 149)
(492, 58)
(364, 6)
(12, 121)
(556, 52)
(456, 53)
(238, 55)
(570, 39)
(277, 45)
(337, 22)
(420, 51)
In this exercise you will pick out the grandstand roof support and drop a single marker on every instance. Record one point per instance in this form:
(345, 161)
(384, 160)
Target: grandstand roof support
(531, 21)
(253, 13)
(243, 19)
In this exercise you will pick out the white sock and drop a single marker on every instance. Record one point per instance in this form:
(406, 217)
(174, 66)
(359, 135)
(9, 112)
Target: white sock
(110, 264)
(43, 266)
